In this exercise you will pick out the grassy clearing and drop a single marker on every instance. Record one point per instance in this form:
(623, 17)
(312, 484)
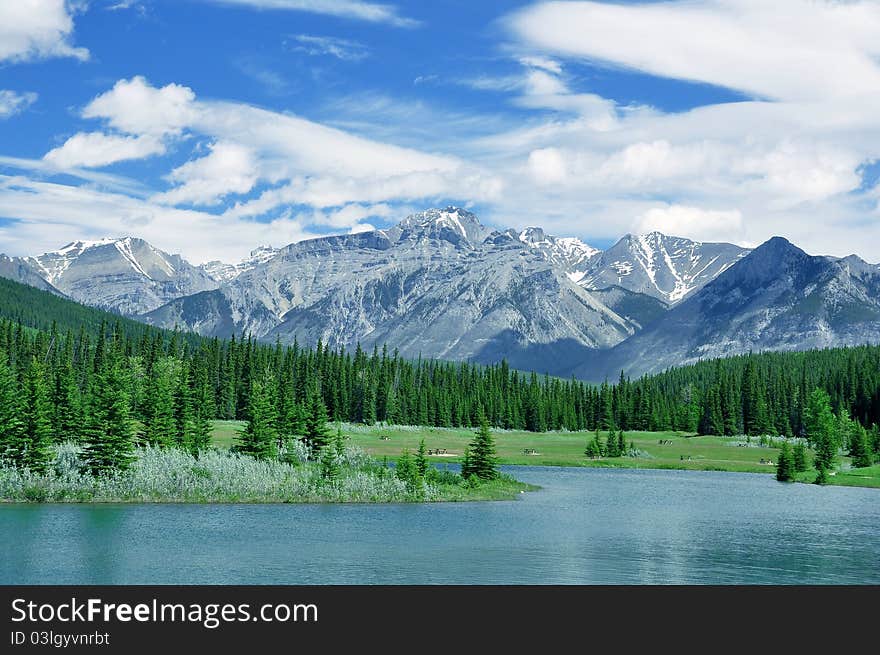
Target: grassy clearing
(552, 448)
(864, 477)
(679, 450)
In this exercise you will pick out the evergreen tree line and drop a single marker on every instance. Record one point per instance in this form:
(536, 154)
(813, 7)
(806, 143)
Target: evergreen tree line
(828, 434)
(112, 389)
(755, 394)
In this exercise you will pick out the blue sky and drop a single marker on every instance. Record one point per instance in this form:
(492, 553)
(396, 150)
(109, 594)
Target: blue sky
(212, 126)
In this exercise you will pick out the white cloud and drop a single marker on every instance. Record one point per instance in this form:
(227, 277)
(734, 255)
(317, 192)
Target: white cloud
(343, 49)
(229, 169)
(150, 115)
(136, 107)
(37, 29)
(787, 162)
(353, 9)
(700, 224)
(95, 149)
(547, 166)
(12, 102)
(49, 215)
(792, 49)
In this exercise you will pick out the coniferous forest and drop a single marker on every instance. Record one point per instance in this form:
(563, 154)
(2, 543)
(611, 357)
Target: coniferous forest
(112, 384)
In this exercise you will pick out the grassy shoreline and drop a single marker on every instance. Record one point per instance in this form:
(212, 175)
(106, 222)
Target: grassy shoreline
(656, 450)
(220, 476)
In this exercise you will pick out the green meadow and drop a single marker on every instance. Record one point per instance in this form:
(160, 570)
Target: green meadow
(658, 450)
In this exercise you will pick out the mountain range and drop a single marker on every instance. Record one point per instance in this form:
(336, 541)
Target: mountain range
(440, 284)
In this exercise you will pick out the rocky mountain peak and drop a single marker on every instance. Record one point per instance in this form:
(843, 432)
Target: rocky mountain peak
(452, 224)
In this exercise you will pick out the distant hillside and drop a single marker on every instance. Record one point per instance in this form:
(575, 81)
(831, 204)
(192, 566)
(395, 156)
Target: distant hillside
(40, 309)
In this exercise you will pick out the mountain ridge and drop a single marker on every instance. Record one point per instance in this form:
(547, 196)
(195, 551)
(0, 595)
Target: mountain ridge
(441, 284)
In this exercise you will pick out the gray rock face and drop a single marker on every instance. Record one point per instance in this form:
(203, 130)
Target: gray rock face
(567, 253)
(223, 273)
(668, 268)
(776, 298)
(128, 276)
(20, 270)
(437, 284)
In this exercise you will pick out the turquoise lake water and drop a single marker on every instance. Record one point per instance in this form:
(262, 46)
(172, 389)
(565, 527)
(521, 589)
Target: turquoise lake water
(586, 526)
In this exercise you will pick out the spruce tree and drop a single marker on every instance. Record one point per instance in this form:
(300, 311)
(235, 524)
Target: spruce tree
(292, 424)
(611, 445)
(621, 444)
(161, 427)
(258, 439)
(483, 462)
(11, 427)
(330, 467)
(184, 411)
(785, 464)
(859, 448)
(821, 427)
(67, 417)
(466, 471)
(421, 459)
(205, 409)
(109, 433)
(406, 469)
(799, 457)
(593, 450)
(316, 435)
(34, 452)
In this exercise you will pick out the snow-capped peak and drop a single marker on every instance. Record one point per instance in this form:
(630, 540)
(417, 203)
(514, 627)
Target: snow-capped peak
(222, 272)
(460, 222)
(570, 253)
(666, 267)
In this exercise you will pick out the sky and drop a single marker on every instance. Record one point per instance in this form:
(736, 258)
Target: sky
(210, 127)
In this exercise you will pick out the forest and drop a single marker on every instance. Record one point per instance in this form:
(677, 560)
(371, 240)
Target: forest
(69, 372)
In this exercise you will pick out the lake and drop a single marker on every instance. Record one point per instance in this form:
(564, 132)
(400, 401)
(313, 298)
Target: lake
(586, 526)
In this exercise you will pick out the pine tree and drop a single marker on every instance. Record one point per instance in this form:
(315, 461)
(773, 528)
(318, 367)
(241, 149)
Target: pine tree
(799, 457)
(161, 427)
(621, 444)
(258, 439)
(421, 459)
(860, 451)
(67, 418)
(330, 467)
(109, 433)
(317, 435)
(205, 409)
(11, 428)
(184, 411)
(406, 469)
(483, 462)
(821, 428)
(593, 450)
(466, 471)
(611, 445)
(711, 418)
(785, 464)
(292, 424)
(34, 452)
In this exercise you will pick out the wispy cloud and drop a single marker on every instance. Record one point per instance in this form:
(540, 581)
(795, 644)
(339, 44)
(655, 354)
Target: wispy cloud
(272, 81)
(12, 102)
(353, 9)
(343, 49)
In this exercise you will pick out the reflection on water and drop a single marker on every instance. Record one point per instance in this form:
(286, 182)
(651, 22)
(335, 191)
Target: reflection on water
(589, 526)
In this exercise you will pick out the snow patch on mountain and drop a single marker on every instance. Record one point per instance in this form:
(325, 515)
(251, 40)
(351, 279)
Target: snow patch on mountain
(223, 272)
